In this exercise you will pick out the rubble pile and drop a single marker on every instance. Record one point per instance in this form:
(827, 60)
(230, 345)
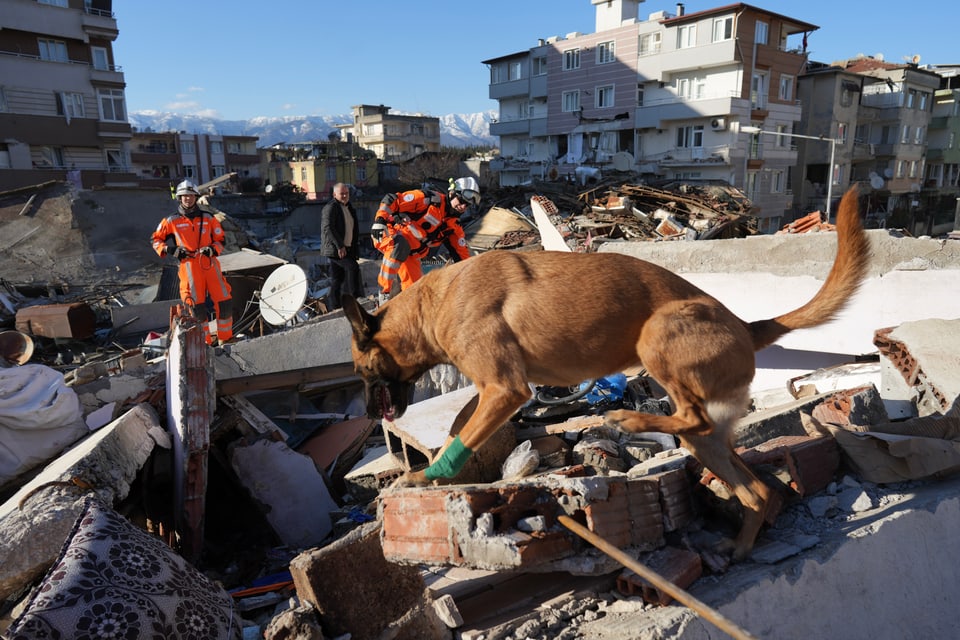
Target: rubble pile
(254, 461)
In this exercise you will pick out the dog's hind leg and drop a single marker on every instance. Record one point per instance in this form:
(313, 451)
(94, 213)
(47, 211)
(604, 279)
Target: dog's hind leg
(754, 495)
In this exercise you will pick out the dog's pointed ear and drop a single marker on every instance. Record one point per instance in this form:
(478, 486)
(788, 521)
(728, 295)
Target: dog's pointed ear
(365, 325)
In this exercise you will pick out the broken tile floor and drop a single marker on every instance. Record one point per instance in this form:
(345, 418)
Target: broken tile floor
(863, 456)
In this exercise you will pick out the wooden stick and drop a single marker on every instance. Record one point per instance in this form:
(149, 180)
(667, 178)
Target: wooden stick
(658, 581)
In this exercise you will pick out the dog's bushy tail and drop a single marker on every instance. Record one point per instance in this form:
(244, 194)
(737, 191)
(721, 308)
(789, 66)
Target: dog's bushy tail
(849, 269)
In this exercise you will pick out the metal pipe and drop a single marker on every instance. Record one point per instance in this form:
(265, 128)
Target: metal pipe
(656, 579)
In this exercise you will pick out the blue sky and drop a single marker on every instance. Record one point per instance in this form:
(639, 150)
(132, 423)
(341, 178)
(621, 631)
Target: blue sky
(240, 60)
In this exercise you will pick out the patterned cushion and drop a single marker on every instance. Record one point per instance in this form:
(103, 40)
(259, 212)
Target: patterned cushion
(114, 580)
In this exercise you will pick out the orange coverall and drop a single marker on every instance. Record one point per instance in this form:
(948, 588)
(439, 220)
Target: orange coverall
(416, 222)
(200, 274)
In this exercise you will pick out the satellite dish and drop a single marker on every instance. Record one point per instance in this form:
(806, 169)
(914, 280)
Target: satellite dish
(876, 181)
(268, 188)
(622, 160)
(888, 172)
(283, 294)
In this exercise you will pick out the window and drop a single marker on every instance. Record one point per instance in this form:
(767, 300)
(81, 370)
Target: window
(722, 28)
(776, 182)
(691, 88)
(762, 33)
(924, 99)
(639, 95)
(687, 36)
(53, 50)
(786, 87)
(4, 156)
(70, 105)
(540, 66)
(100, 60)
(514, 71)
(837, 174)
(3, 100)
(754, 152)
(234, 147)
(189, 171)
(361, 172)
(218, 170)
(571, 59)
(912, 173)
(331, 173)
(752, 185)
(918, 135)
(846, 95)
(758, 91)
(51, 157)
(691, 136)
(650, 43)
(911, 98)
(842, 131)
(604, 96)
(783, 140)
(901, 168)
(606, 52)
(111, 105)
(216, 147)
(497, 74)
(571, 100)
(905, 134)
(116, 160)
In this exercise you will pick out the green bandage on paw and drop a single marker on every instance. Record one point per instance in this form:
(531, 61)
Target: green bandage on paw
(450, 462)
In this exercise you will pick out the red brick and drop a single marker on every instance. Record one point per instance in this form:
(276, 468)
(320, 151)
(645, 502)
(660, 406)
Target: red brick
(678, 566)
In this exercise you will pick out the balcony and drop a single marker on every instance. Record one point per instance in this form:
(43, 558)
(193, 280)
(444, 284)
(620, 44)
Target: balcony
(693, 157)
(659, 114)
(508, 127)
(510, 89)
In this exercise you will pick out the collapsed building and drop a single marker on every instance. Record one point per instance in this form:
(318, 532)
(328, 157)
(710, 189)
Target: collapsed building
(269, 489)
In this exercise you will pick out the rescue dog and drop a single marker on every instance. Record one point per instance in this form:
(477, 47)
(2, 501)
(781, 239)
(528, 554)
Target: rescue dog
(506, 318)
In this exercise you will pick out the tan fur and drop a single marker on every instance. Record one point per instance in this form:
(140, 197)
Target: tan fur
(506, 318)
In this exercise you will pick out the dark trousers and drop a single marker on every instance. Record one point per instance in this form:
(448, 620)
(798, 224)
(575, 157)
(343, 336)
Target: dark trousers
(344, 278)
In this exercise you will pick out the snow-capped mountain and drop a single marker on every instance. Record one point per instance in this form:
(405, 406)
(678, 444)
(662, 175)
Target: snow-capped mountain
(456, 130)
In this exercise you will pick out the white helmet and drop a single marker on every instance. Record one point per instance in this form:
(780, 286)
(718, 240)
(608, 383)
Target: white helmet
(466, 189)
(186, 188)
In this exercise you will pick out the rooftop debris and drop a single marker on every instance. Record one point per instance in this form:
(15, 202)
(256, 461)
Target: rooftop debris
(246, 537)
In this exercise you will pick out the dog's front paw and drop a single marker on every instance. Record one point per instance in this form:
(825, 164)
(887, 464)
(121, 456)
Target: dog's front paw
(411, 479)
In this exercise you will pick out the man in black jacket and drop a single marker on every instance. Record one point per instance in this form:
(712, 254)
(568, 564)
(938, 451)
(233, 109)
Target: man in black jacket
(340, 237)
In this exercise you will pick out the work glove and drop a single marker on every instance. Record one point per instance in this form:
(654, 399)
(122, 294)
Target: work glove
(206, 251)
(180, 254)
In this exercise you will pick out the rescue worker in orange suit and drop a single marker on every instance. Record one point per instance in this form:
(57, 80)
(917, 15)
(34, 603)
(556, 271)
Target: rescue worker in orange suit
(411, 223)
(195, 238)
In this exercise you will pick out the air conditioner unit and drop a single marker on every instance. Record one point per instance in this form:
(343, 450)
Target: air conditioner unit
(718, 124)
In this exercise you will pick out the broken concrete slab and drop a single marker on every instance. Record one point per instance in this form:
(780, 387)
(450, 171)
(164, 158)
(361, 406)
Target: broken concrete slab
(295, 499)
(317, 349)
(868, 556)
(371, 595)
(374, 472)
(35, 521)
(921, 366)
